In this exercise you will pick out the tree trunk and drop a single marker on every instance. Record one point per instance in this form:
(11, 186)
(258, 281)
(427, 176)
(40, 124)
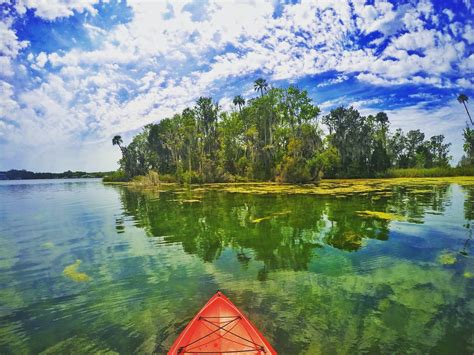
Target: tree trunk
(470, 119)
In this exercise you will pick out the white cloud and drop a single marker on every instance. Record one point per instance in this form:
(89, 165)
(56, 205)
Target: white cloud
(41, 59)
(53, 9)
(10, 46)
(337, 80)
(448, 13)
(155, 65)
(468, 34)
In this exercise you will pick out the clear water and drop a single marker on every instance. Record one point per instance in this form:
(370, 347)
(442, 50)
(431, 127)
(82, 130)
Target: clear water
(313, 275)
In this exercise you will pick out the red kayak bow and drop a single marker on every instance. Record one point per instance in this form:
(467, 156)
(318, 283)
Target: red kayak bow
(220, 328)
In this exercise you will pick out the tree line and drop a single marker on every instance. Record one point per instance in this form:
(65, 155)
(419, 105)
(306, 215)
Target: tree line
(30, 175)
(279, 135)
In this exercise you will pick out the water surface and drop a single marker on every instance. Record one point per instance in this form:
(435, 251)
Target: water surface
(313, 273)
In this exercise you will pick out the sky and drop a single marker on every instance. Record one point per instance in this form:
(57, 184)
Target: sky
(74, 73)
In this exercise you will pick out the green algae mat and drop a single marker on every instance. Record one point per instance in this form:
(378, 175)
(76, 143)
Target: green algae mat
(343, 267)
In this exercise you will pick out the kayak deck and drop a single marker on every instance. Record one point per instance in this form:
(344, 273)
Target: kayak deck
(220, 328)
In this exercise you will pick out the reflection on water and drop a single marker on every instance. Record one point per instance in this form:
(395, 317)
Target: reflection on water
(314, 273)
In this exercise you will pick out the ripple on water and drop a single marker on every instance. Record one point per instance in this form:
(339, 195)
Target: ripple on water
(315, 277)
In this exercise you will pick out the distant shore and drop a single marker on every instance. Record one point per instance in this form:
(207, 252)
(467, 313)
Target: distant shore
(30, 175)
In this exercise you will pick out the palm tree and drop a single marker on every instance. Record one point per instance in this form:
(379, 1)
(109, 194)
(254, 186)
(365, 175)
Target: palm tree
(260, 85)
(117, 140)
(239, 101)
(462, 99)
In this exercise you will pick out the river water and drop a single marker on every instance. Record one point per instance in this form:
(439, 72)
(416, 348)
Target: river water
(87, 267)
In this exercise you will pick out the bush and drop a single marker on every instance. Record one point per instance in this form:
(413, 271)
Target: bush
(150, 179)
(167, 178)
(293, 170)
(116, 176)
(190, 177)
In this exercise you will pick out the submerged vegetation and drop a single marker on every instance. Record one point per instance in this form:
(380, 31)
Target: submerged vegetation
(279, 136)
(311, 269)
(71, 272)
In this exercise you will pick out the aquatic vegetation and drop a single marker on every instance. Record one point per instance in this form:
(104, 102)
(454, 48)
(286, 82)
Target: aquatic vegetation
(191, 201)
(447, 258)
(274, 214)
(71, 272)
(335, 187)
(283, 213)
(48, 245)
(381, 215)
(79, 345)
(303, 274)
(258, 220)
(352, 240)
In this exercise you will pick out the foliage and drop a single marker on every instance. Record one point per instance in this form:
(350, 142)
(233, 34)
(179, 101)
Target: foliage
(116, 176)
(275, 136)
(468, 158)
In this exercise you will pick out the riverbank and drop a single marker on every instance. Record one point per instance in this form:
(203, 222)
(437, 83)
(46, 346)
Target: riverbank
(432, 172)
(152, 178)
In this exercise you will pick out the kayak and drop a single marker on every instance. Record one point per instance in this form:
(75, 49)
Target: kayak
(220, 328)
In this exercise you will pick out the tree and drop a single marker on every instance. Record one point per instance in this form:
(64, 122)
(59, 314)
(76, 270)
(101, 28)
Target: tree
(352, 135)
(260, 85)
(397, 144)
(462, 99)
(117, 140)
(239, 101)
(468, 158)
(439, 151)
(276, 136)
(414, 148)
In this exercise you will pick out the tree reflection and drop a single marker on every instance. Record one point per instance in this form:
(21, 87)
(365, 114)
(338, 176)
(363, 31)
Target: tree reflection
(282, 231)
(469, 216)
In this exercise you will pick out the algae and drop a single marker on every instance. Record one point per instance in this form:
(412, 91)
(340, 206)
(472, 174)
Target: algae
(48, 245)
(468, 275)
(447, 258)
(381, 215)
(274, 214)
(71, 272)
(283, 213)
(258, 220)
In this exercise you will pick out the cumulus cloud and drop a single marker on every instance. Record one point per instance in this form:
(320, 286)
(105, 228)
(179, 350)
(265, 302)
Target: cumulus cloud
(53, 9)
(167, 55)
(10, 46)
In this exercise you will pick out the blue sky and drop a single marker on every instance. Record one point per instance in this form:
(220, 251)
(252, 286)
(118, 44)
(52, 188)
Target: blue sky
(75, 73)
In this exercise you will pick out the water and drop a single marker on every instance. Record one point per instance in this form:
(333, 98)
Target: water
(310, 272)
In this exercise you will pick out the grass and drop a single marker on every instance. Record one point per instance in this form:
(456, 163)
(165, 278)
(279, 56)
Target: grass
(433, 172)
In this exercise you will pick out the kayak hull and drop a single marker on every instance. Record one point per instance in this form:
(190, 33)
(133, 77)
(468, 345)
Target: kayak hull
(220, 328)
